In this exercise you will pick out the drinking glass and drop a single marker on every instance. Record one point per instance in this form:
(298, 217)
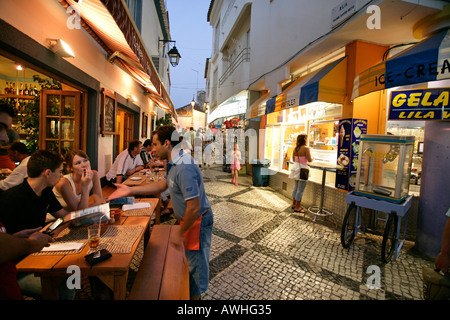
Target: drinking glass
(94, 235)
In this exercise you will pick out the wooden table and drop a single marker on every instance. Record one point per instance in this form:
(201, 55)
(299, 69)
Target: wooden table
(140, 179)
(52, 269)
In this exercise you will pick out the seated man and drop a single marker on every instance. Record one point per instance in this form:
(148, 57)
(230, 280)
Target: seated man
(17, 152)
(25, 206)
(146, 155)
(126, 163)
(6, 117)
(11, 248)
(5, 161)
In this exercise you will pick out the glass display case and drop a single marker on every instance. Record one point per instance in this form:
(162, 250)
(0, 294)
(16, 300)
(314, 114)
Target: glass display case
(384, 166)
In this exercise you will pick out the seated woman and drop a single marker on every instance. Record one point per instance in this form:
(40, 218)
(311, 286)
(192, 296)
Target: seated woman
(74, 188)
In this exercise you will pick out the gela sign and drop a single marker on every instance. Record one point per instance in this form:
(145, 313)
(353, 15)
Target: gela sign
(426, 104)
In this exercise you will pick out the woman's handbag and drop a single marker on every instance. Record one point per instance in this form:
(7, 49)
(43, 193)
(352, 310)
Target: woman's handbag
(304, 173)
(299, 171)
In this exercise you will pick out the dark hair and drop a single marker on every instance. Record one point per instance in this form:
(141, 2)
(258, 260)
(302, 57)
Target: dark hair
(19, 146)
(68, 158)
(167, 132)
(42, 160)
(301, 140)
(147, 142)
(133, 144)
(6, 108)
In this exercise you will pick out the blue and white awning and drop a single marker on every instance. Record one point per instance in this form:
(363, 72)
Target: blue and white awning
(429, 60)
(327, 84)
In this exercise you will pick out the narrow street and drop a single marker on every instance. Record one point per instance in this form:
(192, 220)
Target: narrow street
(262, 250)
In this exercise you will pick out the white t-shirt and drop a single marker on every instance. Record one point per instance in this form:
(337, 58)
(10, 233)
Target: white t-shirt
(16, 177)
(124, 162)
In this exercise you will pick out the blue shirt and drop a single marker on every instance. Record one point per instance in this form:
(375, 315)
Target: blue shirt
(185, 182)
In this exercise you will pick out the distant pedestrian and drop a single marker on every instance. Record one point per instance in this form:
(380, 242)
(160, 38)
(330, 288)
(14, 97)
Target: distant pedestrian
(235, 164)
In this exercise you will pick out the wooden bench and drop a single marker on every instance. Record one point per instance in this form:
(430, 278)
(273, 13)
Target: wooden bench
(163, 273)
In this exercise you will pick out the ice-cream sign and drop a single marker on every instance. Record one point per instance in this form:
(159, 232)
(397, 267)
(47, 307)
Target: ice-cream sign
(426, 104)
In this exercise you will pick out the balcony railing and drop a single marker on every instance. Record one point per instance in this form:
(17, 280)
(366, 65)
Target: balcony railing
(243, 56)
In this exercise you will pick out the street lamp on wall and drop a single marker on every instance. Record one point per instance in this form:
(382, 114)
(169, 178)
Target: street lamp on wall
(174, 55)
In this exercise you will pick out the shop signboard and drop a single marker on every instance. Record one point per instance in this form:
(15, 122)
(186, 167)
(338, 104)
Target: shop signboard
(423, 104)
(350, 131)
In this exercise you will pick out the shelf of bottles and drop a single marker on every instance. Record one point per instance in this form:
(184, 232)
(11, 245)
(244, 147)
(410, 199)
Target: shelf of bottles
(18, 93)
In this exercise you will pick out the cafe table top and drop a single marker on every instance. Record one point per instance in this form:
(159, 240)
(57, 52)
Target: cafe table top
(139, 178)
(113, 271)
(325, 165)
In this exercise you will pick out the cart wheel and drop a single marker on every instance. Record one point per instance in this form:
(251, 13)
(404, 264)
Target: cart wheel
(349, 227)
(389, 238)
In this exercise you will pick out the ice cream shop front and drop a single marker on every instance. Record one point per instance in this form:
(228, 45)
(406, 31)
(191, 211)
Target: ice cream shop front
(377, 92)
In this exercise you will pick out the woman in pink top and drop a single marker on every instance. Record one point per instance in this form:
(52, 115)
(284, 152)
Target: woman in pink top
(235, 164)
(301, 155)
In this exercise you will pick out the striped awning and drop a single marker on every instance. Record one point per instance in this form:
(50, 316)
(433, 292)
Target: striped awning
(258, 108)
(327, 84)
(108, 22)
(428, 60)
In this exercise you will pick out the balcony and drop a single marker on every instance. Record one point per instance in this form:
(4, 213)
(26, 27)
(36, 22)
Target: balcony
(243, 56)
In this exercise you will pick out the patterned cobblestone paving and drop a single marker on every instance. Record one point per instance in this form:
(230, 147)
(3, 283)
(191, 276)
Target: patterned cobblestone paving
(261, 249)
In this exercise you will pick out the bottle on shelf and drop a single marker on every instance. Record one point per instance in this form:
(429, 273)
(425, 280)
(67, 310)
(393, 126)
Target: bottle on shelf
(11, 88)
(21, 89)
(7, 88)
(25, 91)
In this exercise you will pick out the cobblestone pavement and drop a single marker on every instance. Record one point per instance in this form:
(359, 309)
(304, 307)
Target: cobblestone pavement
(262, 250)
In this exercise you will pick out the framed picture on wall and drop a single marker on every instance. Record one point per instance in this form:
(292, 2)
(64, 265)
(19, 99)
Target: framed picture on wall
(108, 112)
(144, 125)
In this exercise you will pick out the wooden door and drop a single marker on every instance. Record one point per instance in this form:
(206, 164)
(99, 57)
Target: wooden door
(60, 124)
(125, 129)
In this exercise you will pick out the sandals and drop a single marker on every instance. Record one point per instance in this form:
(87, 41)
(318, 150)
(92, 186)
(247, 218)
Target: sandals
(300, 211)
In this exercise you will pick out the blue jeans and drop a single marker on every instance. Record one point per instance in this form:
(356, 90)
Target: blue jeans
(198, 260)
(299, 187)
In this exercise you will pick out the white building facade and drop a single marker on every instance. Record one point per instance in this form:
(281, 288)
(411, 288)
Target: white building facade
(120, 61)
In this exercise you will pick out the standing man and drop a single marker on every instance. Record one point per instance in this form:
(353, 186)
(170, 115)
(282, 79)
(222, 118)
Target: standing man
(18, 152)
(126, 163)
(190, 204)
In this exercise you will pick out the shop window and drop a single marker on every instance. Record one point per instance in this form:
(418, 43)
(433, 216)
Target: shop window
(290, 141)
(317, 120)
